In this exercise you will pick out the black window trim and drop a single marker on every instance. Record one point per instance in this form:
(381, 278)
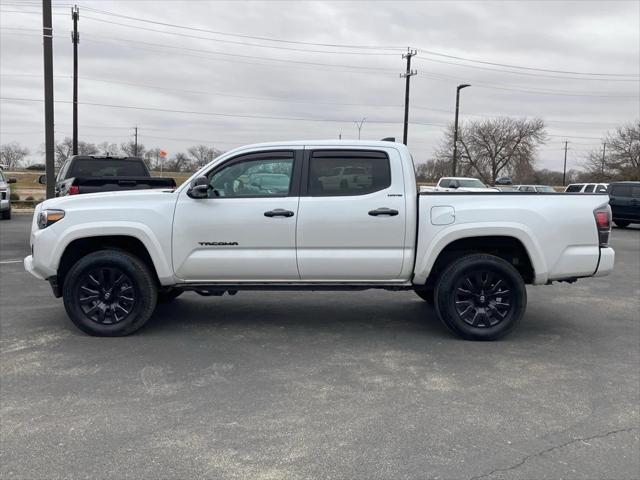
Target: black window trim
(285, 154)
(338, 153)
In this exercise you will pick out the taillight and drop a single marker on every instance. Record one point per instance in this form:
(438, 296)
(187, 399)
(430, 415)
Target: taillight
(74, 190)
(603, 224)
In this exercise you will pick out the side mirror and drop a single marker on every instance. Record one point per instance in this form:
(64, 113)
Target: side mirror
(42, 179)
(11, 180)
(199, 188)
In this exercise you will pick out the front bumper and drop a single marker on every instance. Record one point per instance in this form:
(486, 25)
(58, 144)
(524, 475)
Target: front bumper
(30, 267)
(605, 265)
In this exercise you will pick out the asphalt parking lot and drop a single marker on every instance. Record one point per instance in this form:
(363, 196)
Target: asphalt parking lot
(322, 385)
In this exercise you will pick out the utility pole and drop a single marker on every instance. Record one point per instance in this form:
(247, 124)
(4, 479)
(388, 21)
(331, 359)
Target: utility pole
(75, 39)
(604, 151)
(455, 128)
(359, 125)
(564, 170)
(47, 42)
(408, 74)
(135, 147)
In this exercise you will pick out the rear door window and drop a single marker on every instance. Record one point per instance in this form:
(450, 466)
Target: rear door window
(574, 188)
(340, 173)
(621, 190)
(589, 188)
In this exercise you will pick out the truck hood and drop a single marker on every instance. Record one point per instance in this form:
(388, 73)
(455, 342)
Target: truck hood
(104, 198)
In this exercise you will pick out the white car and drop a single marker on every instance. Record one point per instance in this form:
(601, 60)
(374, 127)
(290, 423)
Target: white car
(112, 256)
(459, 184)
(587, 188)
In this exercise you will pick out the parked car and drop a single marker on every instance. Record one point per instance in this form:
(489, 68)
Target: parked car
(624, 198)
(5, 195)
(92, 174)
(587, 188)
(534, 188)
(346, 178)
(111, 257)
(459, 184)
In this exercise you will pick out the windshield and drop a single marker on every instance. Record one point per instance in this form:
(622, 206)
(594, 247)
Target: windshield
(1, 176)
(471, 183)
(98, 167)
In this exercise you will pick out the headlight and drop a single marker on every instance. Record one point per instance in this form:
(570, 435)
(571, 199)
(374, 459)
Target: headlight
(49, 216)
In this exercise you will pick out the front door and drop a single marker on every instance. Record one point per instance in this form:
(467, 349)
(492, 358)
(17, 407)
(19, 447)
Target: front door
(352, 216)
(246, 229)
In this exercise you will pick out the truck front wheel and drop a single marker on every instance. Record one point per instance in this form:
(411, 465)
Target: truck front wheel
(480, 297)
(109, 293)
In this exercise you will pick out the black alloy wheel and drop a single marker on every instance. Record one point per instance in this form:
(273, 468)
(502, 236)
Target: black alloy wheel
(480, 297)
(106, 295)
(483, 299)
(110, 293)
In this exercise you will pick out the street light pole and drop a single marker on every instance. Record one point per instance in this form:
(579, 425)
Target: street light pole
(455, 127)
(359, 125)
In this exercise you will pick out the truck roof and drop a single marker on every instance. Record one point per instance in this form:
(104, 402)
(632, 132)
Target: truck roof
(323, 143)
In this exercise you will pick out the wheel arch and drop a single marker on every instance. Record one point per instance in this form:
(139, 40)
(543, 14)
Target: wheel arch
(521, 253)
(136, 243)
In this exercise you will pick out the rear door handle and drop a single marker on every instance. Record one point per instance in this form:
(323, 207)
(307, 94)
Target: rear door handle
(383, 211)
(278, 212)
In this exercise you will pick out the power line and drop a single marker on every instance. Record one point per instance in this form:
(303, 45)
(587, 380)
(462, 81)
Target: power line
(217, 114)
(520, 67)
(198, 37)
(238, 35)
(311, 102)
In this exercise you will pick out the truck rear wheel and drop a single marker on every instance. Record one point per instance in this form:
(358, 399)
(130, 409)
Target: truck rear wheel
(480, 297)
(109, 293)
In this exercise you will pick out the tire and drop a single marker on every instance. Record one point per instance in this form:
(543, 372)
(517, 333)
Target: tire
(425, 294)
(6, 215)
(167, 296)
(621, 223)
(93, 305)
(467, 301)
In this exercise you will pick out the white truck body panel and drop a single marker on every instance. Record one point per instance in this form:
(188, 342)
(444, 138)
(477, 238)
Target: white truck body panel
(329, 239)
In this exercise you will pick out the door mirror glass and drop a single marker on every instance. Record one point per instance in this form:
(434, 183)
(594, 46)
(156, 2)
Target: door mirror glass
(199, 188)
(42, 179)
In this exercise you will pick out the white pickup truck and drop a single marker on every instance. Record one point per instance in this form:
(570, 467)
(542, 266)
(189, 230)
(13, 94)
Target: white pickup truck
(112, 256)
(458, 184)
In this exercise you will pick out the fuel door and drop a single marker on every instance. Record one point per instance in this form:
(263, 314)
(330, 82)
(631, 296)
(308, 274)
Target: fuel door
(443, 215)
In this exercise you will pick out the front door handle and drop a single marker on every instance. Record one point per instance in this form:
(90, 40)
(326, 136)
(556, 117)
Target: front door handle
(279, 212)
(383, 211)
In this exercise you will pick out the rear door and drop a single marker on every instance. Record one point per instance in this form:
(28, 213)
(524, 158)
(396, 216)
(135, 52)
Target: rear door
(623, 205)
(351, 229)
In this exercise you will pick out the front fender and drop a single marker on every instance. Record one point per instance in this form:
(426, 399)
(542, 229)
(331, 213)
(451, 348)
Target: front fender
(48, 262)
(430, 248)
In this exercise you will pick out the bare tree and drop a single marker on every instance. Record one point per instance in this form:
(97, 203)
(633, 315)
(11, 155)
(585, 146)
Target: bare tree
(64, 150)
(621, 155)
(12, 154)
(129, 149)
(106, 148)
(432, 170)
(201, 155)
(178, 163)
(501, 146)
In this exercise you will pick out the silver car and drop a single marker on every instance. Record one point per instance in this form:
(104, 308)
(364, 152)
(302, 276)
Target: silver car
(5, 196)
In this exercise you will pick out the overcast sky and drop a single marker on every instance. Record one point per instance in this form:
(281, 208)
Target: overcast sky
(318, 91)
